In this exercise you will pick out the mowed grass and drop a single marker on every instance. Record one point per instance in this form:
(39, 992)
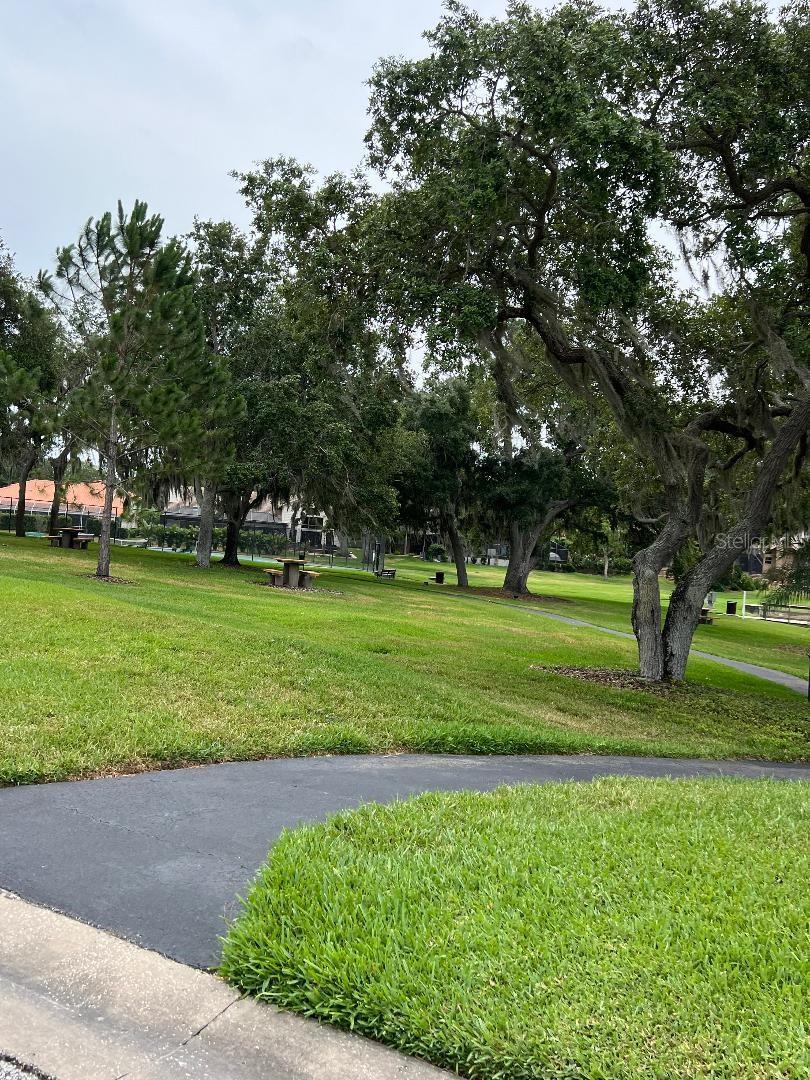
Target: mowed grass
(608, 601)
(619, 930)
(183, 666)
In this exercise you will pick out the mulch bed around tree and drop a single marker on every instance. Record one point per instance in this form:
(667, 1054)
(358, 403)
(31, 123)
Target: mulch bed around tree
(618, 678)
(109, 580)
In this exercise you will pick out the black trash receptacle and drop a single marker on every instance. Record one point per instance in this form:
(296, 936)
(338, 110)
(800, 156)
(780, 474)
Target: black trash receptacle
(440, 577)
(731, 607)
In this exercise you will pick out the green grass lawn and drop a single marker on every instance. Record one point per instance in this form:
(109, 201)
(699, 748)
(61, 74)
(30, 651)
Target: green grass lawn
(183, 666)
(620, 930)
(607, 602)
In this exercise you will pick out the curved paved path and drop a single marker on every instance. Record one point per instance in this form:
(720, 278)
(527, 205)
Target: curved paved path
(781, 678)
(160, 857)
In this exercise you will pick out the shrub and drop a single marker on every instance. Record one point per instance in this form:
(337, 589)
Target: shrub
(735, 580)
(437, 553)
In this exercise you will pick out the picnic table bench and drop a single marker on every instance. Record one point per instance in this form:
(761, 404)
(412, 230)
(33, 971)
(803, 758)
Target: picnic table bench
(306, 578)
(281, 578)
(70, 538)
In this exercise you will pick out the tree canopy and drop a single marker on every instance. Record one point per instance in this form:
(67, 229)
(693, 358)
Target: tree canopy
(125, 297)
(533, 162)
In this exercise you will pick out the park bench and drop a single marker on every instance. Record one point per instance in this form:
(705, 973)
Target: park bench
(131, 543)
(705, 616)
(54, 541)
(275, 576)
(306, 578)
(386, 574)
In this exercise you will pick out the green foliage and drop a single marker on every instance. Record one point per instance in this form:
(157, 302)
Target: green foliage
(522, 487)
(338, 391)
(685, 558)
(594, 564)
(733, 580)
(437, 553)
(231, 279)
(126, 298)
(536, 484)
(32, 368)
(509, 148)
(747, 75)
(625, 929)
(736, 580)
(795, 586)
(273, 543)
(282, 305)
(437, 480)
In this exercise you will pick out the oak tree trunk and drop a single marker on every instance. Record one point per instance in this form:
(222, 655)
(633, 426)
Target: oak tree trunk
(457, 547)
(379, 554)
(59, 468)
(232, 531)
(206, 498)
(687, 599)
(682, 619)
(646, 616)
(27, 465)
(236, 505)
(686, 602)
(522, 543)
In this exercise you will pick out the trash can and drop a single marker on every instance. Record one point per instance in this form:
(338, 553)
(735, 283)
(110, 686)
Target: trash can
(731, 607)
(440, 577)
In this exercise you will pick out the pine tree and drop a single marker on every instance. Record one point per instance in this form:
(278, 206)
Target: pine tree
(127, 297)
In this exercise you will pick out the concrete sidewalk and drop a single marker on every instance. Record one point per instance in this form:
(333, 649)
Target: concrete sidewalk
(79, 1004)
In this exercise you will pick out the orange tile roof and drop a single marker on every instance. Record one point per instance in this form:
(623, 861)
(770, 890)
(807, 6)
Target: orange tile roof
(78, 497)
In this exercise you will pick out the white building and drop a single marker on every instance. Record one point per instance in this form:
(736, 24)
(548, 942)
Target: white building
(310, 527)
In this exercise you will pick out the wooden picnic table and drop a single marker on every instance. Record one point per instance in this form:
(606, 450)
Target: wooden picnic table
(292, 571)
(71, 536)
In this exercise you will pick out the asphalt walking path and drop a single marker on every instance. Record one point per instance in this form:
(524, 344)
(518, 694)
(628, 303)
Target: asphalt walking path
(160, 858)
(772, 675)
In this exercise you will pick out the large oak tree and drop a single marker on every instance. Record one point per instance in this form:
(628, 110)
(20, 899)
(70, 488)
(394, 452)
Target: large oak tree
(533, 163)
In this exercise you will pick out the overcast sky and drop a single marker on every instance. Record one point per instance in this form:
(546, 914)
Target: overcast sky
(159, 99)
